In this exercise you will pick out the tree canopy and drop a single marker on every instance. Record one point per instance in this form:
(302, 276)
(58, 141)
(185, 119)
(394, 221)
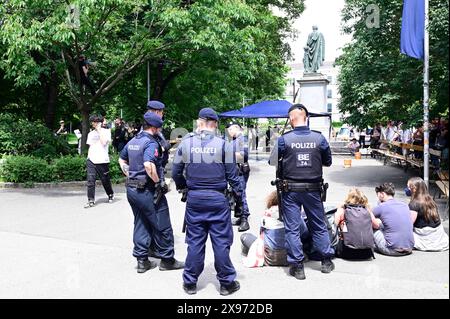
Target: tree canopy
(201, 53)
(378, 83)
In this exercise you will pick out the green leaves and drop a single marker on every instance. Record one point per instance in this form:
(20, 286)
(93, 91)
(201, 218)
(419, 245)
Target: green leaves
(378, 83)
(207, 52)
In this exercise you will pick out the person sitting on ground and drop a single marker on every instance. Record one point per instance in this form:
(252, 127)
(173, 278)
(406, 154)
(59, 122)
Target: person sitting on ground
(269, 248)
(355, 221)
(394, 236)
(429, 234)
(353, 146)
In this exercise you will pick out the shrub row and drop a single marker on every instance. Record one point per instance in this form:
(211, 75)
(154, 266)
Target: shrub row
(22, 137)
(29, 170)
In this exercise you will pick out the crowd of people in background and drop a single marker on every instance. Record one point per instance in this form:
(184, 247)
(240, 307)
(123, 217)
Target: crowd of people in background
(397, 131)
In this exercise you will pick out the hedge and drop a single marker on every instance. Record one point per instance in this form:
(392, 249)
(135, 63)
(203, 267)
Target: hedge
(21, 137)
(29, 169)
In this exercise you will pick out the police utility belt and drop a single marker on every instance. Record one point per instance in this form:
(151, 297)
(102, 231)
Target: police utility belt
(139, 184)
(289, 186)
(298, 187)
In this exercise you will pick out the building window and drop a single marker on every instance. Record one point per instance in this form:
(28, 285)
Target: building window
(329, 107)
(330, 94)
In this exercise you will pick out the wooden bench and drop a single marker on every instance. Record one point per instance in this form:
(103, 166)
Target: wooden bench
(443, 186)
(405, 161)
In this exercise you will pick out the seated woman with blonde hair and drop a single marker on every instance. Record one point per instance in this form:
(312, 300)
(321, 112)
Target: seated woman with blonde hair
(429, 234)
(355, 221)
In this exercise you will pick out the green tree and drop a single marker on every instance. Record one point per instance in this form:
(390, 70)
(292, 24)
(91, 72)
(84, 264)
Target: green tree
(376, 81)
(235, 43)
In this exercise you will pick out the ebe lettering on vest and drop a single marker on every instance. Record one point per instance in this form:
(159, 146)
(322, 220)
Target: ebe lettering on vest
(303, 159)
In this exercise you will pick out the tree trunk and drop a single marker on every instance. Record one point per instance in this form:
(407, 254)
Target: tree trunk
(51, 95)
(158, 91)
(85, 125)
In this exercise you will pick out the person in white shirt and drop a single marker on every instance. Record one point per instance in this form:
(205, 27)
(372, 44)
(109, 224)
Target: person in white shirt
(98, 159)
(353, 146)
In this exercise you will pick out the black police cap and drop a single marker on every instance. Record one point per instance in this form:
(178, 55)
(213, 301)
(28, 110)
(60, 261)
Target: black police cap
(298, 107)
(208, 114)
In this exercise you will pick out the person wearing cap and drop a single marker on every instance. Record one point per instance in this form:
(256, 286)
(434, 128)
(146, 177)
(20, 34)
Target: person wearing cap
(240, 148)
(353, 146)
(208, 163)
(157, 107)
(140, 162)
(83, 69)
(301, 154)
(98, 160)
(62, 129)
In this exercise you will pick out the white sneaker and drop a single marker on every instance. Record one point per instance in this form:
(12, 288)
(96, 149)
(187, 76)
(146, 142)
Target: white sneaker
(89, 204)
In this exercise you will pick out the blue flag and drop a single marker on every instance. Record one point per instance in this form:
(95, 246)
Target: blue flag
(413, 28)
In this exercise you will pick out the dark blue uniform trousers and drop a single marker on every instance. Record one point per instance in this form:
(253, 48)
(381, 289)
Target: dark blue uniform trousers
(208, 212)
(295, 225)
(150, 224)
(245, 210)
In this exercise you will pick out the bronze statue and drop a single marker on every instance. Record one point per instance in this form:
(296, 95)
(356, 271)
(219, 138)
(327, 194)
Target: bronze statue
(314, 51)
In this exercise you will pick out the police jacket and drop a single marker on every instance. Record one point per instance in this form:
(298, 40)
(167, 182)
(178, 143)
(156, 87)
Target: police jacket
(165, 147)
(142, 148)
(303, 154)
(209, 163)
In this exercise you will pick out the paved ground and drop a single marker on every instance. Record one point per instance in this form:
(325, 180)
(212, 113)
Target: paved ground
(53, 248)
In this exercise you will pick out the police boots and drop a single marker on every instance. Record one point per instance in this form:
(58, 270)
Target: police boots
(298, 271)
(327, 266)
(190, 289)
(144, 265)
(229, 289)
(170, 264)
(244, 225)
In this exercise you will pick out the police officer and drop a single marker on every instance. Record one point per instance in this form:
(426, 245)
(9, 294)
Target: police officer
(157, 108)
(140, 161)
(240, 147)
(301, 154)
(209, 165)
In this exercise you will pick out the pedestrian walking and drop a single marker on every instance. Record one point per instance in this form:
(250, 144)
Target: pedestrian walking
(97, 163)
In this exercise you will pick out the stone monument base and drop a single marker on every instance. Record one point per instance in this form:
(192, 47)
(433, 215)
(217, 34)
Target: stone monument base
(313, 95)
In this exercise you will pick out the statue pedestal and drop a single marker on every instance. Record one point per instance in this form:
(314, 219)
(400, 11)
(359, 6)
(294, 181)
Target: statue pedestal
(313, 95)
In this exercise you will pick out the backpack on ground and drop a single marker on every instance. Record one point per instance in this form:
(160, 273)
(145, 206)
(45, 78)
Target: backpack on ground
(356, 234)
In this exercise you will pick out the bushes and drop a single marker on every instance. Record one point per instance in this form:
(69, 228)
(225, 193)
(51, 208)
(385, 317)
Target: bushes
(26, 169)
(70, 168)
(29, 170)
(22, 137)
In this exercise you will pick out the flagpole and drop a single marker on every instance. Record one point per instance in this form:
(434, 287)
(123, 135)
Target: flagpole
(426, 57)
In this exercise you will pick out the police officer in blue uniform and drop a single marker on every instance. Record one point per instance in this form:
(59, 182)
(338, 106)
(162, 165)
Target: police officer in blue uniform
(301, 154)
(209, 165)
(157, 108)
(140, 160)
(240, 147)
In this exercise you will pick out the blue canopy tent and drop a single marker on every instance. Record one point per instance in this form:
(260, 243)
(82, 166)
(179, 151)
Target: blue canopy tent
(268, 109)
